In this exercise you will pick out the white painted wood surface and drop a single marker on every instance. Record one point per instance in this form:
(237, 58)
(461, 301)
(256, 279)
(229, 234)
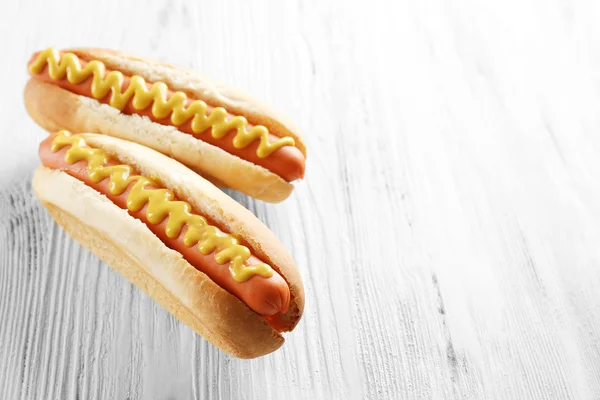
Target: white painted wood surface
(448, 229)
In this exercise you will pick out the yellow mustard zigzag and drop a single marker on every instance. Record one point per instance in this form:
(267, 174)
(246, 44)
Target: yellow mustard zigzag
(141, 97)
(161, 205)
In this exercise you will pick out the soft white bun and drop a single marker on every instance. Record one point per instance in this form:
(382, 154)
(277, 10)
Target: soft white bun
(54, 108)
(128, 246)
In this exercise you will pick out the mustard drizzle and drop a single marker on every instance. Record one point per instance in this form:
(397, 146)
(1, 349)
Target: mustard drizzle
(161, 205)
(137, 92)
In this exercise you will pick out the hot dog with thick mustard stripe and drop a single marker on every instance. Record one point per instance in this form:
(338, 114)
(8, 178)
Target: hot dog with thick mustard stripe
(200, 254)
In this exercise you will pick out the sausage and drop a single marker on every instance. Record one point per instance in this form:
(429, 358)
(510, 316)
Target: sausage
(288, 161)
(266, 296)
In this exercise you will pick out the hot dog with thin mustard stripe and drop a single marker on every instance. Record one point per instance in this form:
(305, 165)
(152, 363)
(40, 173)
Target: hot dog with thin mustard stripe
(249, 149)
(227, 244)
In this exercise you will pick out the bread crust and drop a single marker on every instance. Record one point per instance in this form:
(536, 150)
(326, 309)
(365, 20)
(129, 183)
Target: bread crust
(54, 108)
(130, 248)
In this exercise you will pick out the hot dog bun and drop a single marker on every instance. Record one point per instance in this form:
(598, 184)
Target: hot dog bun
(55, 108)
(131, 248)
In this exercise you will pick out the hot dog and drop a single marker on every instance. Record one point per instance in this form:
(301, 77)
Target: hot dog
(199, 232)
(229, 138)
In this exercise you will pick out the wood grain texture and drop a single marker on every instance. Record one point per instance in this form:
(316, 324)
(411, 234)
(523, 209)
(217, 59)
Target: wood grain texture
(447, 229)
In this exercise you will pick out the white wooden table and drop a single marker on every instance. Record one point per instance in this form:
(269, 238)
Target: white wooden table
(448, 229)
